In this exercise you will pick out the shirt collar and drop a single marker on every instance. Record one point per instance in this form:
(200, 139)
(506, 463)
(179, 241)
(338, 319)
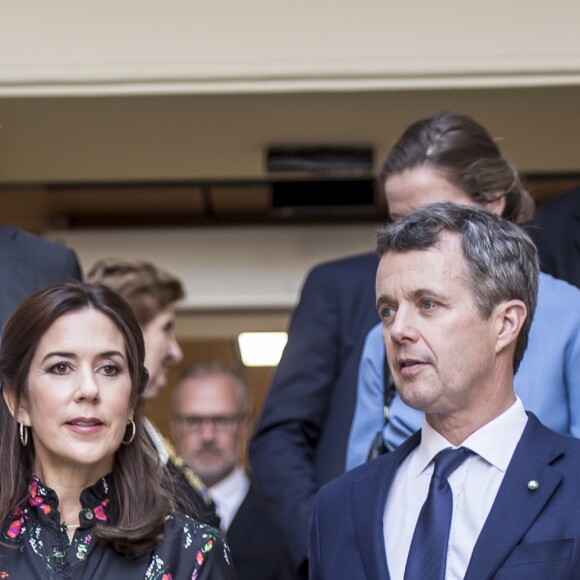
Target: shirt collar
(495, 442)
(226, 489)
(95, 501)
(228, 495)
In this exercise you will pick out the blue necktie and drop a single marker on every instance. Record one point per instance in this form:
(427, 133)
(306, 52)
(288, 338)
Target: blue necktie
(428, 553)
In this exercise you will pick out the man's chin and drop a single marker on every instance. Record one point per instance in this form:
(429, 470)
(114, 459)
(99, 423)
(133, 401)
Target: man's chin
(420, 400)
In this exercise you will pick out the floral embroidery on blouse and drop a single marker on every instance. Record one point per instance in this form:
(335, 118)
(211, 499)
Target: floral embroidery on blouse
(45, 550)
(15, 527)
(38, 495)
(99, 510)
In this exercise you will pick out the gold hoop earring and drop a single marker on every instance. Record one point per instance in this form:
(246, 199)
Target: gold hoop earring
(133, 433)
(23, 430)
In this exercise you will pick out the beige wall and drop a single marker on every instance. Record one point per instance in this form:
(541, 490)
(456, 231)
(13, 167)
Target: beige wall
(231, 268)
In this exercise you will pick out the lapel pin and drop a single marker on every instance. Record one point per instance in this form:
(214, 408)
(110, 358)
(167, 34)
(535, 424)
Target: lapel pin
(533, 485)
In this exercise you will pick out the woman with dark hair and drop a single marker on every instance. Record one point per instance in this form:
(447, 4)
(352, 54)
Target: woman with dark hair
(82, 491)
(449, 157)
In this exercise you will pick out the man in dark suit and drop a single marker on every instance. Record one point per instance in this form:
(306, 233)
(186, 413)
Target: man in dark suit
(483, 490)
(28, 263)
(301, 437)
(209, 425)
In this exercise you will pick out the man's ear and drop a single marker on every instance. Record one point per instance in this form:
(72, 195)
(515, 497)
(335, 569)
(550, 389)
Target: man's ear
(510, 317)
(20, 414)
(497, 205)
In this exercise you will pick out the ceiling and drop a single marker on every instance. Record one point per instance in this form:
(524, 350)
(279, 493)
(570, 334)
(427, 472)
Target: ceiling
(200, 159)
(225, 137)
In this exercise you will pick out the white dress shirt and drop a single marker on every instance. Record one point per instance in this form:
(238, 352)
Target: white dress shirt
(474, 485)
(228, 495)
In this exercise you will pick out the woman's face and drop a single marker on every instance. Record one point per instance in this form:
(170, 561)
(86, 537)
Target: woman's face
(79, 392)
(161, 350)
(413, 188)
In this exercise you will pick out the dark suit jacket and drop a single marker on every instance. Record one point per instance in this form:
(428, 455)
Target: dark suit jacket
(258, 550)
(28, 263)
(301, 437)
(555, 230)
(528, 534)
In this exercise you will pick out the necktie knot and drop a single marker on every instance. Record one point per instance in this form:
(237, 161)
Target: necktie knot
(448, 460)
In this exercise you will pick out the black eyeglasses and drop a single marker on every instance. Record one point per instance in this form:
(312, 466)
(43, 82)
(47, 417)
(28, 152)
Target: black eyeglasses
(220, 423)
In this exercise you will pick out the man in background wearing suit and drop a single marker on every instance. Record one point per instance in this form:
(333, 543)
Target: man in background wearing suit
(209, 425)
(301, 437)
(456, 291)
(28, 263)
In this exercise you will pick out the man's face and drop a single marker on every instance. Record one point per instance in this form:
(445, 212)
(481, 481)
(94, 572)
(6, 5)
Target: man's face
(410, 189)
(440, 349)
(208, 426)
(161, 350)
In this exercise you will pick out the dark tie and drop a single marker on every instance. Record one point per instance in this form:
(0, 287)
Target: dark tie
(428, 553)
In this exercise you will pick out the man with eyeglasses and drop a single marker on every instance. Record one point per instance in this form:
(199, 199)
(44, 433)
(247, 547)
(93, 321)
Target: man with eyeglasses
(210, 427)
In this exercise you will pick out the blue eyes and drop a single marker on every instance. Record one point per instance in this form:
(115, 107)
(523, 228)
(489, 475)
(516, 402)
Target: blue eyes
(425, 305)
(386, 312)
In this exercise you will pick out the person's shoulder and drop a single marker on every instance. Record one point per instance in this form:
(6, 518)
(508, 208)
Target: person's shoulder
(348, 265)
(557, 299)
(24, 237)
(541, 440)
(376, 334)
(554, 287)
(185, 523)
(562, 205)
(361, 479)
(193, 533)
(192, 549)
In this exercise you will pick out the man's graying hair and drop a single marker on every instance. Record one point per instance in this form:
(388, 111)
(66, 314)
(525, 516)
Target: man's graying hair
(501, 260)
(205, 370)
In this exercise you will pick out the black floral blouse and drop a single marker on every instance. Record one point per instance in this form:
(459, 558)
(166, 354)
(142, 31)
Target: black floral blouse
(35, 544)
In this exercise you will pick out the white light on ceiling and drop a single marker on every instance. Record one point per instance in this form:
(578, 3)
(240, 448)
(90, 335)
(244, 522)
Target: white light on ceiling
(262, 349)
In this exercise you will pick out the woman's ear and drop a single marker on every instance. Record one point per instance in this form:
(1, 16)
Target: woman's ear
(21, 414)
(497, 203)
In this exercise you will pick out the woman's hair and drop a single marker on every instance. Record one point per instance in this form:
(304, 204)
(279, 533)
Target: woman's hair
(465, 154)
(146, 287)
(140, 501)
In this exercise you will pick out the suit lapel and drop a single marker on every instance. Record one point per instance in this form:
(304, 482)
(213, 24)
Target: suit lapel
(368, 501)
(501, 532)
